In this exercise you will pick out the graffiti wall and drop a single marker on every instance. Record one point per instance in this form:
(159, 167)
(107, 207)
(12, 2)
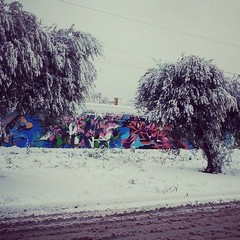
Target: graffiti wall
(89, 131)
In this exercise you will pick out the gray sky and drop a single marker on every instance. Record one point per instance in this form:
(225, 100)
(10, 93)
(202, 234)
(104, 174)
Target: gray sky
(164, 30)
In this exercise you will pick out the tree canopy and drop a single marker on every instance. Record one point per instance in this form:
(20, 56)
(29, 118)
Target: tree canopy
(43, 70)
(193, 97)
(233, 117)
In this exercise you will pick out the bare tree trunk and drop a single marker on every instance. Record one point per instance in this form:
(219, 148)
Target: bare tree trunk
(212, 167)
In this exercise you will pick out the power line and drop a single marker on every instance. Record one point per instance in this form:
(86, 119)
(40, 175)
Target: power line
(142, 67)
(120, 50)
(151, 24)
(129, 52)
(121, 74)
(123, 65)
(126, 60)
(148, 56)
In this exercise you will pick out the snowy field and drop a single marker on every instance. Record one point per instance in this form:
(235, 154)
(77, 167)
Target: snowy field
(68, 180)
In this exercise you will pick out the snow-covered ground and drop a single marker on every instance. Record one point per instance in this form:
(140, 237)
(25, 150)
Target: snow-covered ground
(67, 180)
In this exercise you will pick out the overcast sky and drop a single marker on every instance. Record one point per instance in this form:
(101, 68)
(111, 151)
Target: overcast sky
(136, 33)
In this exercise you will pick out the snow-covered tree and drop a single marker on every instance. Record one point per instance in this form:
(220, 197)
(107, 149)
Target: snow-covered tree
(42, 69)
(193, 97)
(232, 125)
(97, 97)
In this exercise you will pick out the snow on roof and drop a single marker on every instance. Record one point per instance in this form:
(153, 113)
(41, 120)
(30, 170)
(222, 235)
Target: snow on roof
(108, 108)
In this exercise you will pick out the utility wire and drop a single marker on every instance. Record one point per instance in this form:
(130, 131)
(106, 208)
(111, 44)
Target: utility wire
(121, 74)
(124, 60)
(123, 65)
(145, 67)
(154, 25)
(151, 24)
(133, 53)
(120, 50)
(130, 65)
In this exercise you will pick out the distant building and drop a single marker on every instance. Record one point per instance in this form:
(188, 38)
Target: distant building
(116, 101)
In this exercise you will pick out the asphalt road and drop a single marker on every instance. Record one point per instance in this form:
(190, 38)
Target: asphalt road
(210, 221)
